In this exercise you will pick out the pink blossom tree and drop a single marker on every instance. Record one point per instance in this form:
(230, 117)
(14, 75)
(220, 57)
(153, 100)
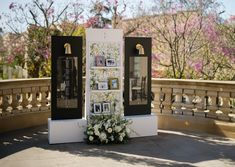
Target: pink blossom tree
(112, 14)
(219, 55)
(42, 19)
(12, 50)
(177, 31)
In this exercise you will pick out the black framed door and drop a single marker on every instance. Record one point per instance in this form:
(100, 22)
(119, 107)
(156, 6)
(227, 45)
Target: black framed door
(66, 81)
(137, 82)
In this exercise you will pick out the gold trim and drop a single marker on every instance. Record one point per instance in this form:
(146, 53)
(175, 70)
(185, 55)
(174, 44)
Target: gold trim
(110, 84)
(67, 48)
(140, 48)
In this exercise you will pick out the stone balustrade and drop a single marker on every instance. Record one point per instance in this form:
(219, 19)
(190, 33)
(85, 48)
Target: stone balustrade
(210, 99)
(24, 95)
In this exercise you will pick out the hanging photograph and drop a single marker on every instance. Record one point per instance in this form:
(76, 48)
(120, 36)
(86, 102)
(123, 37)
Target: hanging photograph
(102, 86)
(110, 62)
(113, 83)
(99, 52)
(97, 108)
(106, 108)
(99, 61)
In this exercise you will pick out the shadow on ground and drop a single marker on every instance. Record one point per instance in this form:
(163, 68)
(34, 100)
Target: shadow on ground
(166, 149)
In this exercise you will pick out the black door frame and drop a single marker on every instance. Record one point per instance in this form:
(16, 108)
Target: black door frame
(58, 50)
(131, 51)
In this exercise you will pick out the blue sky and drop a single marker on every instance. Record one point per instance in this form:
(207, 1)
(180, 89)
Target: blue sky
(229, 5)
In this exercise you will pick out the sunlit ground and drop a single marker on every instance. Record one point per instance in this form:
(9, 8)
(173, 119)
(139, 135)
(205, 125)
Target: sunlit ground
(30, 148)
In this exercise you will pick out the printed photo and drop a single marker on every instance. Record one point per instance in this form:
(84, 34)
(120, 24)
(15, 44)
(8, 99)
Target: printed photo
(102, 86)
(106, 107)
(99, 61)
(113, 83)
(97, 108)
(110, 62)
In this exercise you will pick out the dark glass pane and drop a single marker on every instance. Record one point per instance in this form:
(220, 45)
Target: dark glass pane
(138, 80)
(67, 82)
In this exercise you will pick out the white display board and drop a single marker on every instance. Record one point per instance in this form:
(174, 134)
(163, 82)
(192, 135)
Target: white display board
(104, 71)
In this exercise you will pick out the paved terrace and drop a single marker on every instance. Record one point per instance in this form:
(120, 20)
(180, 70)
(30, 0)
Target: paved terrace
(30, 148)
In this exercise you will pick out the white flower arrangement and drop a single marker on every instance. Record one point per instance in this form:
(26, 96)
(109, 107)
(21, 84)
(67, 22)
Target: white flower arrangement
(103, 129)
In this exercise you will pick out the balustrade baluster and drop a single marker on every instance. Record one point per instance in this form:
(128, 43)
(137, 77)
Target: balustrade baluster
(44, 99)
(188, 105)
(200, 104)
(49, 98)
(225, 106)
(15, 101)
(157, 100)
(177, 104)
(5, 102)
(34, 101)
(25, 100)
(167, 102)
(213, 105)
(232, 114)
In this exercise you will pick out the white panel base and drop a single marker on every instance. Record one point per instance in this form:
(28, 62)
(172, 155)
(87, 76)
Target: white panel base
(143, 125)
(66, 131)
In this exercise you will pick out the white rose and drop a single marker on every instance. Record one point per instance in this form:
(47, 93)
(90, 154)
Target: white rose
(91, 138)
(123, 134)
(106, 126)
(120, 138)
(89, 132)
(110, 130)
(96, 127)
(117, 129)
(97, 133)
(102, 136)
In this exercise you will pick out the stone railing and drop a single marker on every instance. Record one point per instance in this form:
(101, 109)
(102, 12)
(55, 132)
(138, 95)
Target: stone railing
(24, 95)
(210, 99)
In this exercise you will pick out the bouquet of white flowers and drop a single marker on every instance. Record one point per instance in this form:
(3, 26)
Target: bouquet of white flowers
(103, 129)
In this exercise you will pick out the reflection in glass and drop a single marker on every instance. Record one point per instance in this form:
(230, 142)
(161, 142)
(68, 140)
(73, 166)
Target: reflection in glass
(67, 82)
(138, 80)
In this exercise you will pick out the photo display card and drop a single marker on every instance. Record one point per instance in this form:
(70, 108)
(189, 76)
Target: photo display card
(104, 71)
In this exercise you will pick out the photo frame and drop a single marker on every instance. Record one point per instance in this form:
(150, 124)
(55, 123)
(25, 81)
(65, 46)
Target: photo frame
(106, 107)
(111, 63)
(102, 85)
(113, 83)
(97, 108)
(99, 61)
